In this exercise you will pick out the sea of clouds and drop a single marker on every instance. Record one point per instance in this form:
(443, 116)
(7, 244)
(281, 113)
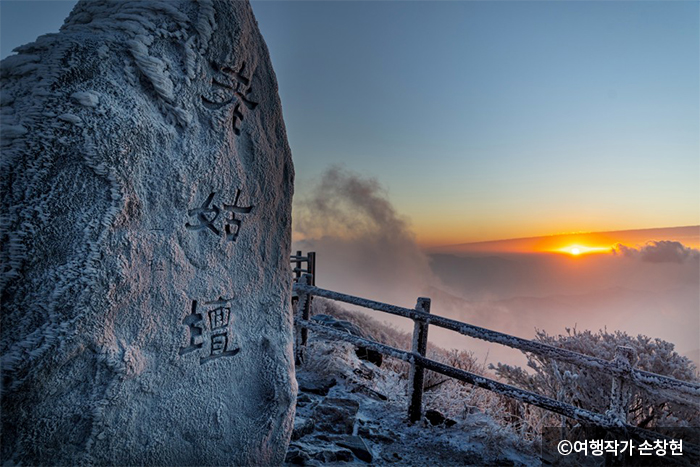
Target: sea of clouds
(365, 248)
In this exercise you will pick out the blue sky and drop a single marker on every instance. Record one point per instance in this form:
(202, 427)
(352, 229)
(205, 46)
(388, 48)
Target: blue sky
(486, 120)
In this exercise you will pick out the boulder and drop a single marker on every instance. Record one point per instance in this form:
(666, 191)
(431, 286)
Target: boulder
(302, 427)
(377, 436)
(333, 456)
(309, 454)
(336, 415)
(296, 455)
(319, 387)
(303, 399)
(146, 187)
(358, 447)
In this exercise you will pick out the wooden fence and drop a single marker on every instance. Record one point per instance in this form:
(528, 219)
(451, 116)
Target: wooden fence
(621, 368)
(303, 305)
(298, 261)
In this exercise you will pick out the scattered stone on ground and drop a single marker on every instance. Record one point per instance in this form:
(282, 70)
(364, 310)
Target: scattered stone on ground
(320, 387)
(358, 447)
(336, 415)
(362, 419)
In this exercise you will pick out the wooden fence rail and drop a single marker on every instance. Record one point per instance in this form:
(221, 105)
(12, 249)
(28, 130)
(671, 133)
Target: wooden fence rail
(615, 368)
(620, 368)
(522, 395)
(608, 420)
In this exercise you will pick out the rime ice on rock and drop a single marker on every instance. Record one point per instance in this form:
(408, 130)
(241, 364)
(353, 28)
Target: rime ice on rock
(145, 233)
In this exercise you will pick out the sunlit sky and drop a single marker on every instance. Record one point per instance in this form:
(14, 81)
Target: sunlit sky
(485, 120)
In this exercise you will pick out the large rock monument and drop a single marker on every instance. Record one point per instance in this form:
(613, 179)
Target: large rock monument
(145, 235)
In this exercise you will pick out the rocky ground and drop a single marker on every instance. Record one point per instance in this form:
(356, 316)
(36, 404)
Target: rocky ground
(353, 410)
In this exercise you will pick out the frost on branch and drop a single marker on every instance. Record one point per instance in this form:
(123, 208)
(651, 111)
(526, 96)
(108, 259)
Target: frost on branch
(591, 389)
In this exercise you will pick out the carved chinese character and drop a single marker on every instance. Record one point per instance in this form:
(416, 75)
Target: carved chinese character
(230, 87)
(216, 334)
(218, 317)
(233, 209)
(201, 213)
(196, 324)
(206, 216)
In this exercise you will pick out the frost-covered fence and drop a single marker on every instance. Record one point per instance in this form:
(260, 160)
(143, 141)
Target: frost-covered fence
(620, 368)
(298, 260)
(303, 303)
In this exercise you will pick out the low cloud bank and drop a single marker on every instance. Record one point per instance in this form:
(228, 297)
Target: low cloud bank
(366, 248)
(659, 252)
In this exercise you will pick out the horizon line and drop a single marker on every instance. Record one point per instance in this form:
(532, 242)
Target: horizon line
(564, 234)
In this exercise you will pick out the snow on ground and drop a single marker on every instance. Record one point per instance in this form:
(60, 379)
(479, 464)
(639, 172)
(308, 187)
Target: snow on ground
(351, 410)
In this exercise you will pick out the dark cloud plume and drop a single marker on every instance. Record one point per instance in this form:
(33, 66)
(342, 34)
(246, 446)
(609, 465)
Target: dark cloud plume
(664, 251)
(364, 246)
(345, 204)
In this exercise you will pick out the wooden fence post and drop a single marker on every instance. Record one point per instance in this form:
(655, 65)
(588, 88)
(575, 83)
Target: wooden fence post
(306, 279)
(417, 372)
(297, 266)
(311, 265)
(625, 357)
(303, 311)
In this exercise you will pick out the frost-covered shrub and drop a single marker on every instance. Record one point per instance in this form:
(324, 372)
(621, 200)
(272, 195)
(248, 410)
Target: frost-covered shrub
(453, 398)
(386, 334)
(371, 327)
(460, 359)
(591, 389)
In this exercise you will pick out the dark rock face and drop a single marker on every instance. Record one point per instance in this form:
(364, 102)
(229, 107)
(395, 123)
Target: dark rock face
(325, 423)
(358, 447)
(437, 418)
(145, 234)
(319, 387)
(434, 417)
(372, 356)
(336, 415)
(302, 427)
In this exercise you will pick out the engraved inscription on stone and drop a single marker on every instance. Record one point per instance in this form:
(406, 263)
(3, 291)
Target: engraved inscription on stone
(228, 87)
(234, 209)
(145, 172)
(217, 334)
(208, 213)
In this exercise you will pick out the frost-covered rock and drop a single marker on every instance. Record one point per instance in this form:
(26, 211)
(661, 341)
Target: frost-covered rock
(348, 423)
(336, 415)
(145, 234)
(346, 326)
(358, 447)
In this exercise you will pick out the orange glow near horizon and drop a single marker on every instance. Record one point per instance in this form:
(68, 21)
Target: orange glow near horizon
(585, 243)
(577, 250)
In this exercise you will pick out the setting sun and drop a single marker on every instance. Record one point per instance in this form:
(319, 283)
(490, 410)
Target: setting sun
(578, 250)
